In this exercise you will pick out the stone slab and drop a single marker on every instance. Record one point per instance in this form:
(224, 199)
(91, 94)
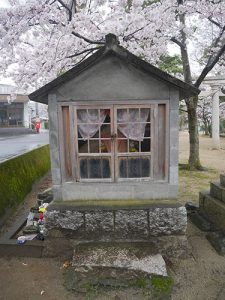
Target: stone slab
(202, 196)
(73, 220)
(222, 179)
(214, 210)
(10, 248)
(217, 240)
(217, 191)
(117, 223)
(131, 223)
(167, 221)
(99, 223)
(111, 205)
(202, 223)
(119, 257)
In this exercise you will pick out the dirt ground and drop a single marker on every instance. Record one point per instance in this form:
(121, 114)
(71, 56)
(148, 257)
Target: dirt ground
(201, 276)
(213, 159)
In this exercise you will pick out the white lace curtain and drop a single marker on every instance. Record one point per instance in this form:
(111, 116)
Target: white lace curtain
(128, 127)
(126, 122)
(93, 118)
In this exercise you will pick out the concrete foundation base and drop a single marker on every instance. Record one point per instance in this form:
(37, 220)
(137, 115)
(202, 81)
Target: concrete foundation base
(160, 223)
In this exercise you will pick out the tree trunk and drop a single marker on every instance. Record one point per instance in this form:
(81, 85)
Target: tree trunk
(191, 103)
(206, 128)
(194, 161)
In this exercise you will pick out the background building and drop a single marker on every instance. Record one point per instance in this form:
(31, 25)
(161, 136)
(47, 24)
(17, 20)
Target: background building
(17, 111)
(13, 107)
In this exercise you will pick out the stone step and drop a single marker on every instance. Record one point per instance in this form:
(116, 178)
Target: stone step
(217, 191)
(213, 209)
(202, 195)
(222, 179)
(217, 240)
(119, 256)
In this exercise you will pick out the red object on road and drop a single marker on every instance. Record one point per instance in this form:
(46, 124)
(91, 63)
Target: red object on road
(37, 126)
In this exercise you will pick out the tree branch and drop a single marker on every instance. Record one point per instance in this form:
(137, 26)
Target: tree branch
(210, 64)
(84, 51)
(74, 4)
(215, 22)
(81, 59)
(181, 45)
(130, 35)
(66, 7)
(87, 39)
(213, 59)
(210, 19)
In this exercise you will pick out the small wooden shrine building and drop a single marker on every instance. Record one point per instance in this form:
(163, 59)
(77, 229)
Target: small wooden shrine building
(114, 133)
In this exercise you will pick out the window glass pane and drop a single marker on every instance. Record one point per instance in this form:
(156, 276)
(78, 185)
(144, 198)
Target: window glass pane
(106, 146)
(106, 168)
(96, 135)
(122, 145)
(133, 146)
(95, 168)
(148, 130)
(81, 113)
(105, 131)
(123, 167)
(93, 116)
(83, 146)
(145, 167)
(122, 116)
(106, 113)
(83, 168)
(146, 145)
(145, 114)
(134, 167)
(94, 146)
(134, 115)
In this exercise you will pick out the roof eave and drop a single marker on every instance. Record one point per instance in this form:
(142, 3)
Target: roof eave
(80, 67)
(186, 90)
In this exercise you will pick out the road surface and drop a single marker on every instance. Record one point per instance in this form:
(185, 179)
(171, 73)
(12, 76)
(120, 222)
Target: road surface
(17, 145)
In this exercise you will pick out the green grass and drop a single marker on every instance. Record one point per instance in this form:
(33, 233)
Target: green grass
(17, 176)
(192, 182)
(162, 285)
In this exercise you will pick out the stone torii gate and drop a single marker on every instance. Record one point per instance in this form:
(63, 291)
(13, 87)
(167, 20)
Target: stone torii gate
(217, 84)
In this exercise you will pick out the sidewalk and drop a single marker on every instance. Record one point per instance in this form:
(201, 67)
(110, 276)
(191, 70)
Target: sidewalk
(14, 131)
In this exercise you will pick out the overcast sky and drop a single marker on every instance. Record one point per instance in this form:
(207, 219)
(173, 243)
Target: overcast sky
(4, 3)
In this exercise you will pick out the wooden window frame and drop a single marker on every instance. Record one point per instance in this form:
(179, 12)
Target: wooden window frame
(73, 146)
(133, 154)
(79, 155)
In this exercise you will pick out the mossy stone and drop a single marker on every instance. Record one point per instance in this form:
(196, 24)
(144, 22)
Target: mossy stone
(17, 176)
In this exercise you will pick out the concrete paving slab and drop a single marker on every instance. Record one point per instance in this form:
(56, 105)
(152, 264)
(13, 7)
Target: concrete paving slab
(120, 257)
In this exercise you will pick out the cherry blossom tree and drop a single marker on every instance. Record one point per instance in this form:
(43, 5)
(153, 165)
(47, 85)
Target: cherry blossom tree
(204, 112)
(41, 39)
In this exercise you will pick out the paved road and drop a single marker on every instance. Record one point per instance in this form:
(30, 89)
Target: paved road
(16, 145)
